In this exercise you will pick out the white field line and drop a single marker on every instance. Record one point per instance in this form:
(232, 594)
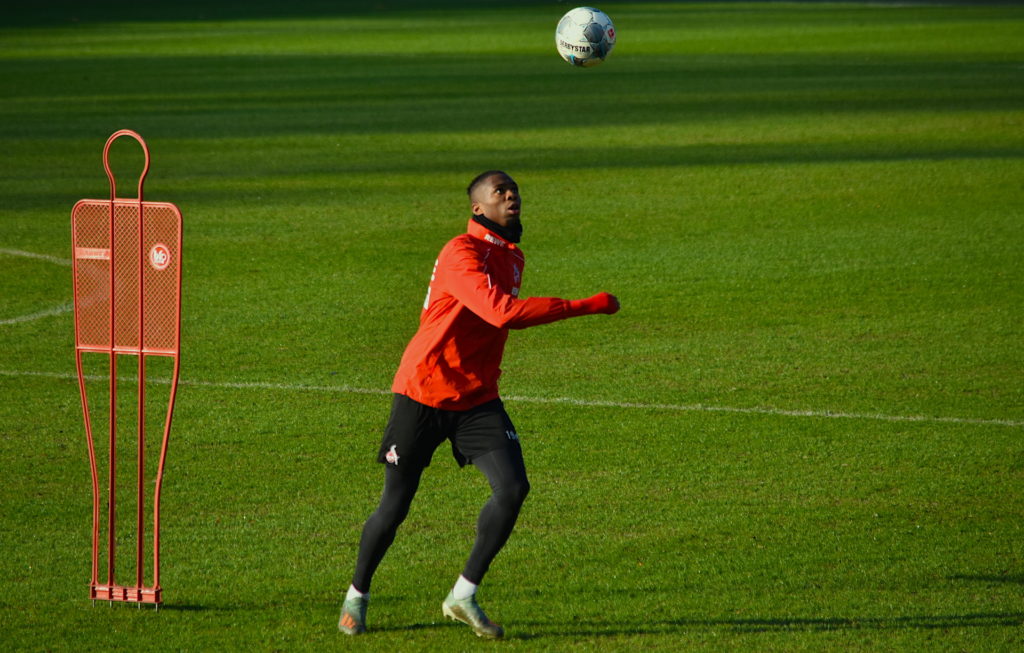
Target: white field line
(590, 403)
(41, 257)
(57, 310)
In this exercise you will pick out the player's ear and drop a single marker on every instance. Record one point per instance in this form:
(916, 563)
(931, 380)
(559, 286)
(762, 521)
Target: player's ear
(475, 207)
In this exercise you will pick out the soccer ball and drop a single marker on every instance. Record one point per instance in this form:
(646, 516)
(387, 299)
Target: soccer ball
(585, 36)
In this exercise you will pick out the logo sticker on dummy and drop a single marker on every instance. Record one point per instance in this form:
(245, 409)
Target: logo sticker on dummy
(159, 257)
(392, 455)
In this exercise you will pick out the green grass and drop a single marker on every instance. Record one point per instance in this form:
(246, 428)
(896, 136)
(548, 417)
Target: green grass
(804, 431)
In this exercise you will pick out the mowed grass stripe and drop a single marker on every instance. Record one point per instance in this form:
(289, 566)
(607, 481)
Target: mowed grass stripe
(595, 403)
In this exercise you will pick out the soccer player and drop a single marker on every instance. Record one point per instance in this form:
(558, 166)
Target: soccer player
(446, 388)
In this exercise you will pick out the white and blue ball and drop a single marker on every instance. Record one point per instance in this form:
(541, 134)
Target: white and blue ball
(585, 36)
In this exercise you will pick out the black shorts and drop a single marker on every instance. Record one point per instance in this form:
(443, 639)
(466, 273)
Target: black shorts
(415, 431)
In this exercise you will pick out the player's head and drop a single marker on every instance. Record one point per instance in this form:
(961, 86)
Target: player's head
(495, 195)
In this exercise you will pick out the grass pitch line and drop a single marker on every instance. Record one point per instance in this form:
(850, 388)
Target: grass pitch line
(693, 408)
(41, 257)
(57, 310)
(704, 408)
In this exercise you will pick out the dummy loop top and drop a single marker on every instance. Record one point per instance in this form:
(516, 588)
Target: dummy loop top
(106, 161)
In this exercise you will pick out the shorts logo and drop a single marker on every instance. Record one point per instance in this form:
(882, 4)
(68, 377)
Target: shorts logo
(392, 455)
(512, 435)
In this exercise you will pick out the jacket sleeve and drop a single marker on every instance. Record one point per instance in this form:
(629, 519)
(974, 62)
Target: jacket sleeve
(467, 280)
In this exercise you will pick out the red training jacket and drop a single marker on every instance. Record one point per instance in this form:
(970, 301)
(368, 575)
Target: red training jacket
(473, 300)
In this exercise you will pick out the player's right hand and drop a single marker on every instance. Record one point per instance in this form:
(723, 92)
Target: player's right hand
(613, 304)
(602, 302)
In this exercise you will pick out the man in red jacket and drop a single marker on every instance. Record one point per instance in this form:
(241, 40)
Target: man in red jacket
(446, 388)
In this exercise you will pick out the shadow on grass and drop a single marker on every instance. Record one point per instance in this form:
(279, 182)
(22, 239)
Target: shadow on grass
(168, 607)
(191, 607)
(1013, 579)
(59, 12)
(419, 627)
(265, 96)
(777, 624)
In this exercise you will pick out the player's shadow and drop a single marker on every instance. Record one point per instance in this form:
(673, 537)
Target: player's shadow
(407, 628)
(600, 628)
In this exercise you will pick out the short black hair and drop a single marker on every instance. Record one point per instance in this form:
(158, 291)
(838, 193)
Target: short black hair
(479, 179)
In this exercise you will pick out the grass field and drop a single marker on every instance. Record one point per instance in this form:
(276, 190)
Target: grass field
(804, 430)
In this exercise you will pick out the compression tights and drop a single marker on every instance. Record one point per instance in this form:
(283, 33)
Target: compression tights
(506, 474)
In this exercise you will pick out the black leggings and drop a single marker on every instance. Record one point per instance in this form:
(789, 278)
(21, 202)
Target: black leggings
(505, 472)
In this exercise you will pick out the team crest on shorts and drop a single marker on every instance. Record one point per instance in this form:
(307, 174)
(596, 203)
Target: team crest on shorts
(392, 455)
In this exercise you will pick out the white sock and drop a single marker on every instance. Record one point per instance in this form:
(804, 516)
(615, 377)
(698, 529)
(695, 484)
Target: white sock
(463, 589)
(353, 593)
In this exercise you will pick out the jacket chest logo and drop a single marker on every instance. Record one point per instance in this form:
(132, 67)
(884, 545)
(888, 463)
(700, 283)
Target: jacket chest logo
(517, 276)
(498, 268)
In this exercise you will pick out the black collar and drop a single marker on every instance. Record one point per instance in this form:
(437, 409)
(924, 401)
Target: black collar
(512, 233)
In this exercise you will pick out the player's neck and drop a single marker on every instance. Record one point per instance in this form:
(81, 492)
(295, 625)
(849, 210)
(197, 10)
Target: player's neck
(513, 233)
